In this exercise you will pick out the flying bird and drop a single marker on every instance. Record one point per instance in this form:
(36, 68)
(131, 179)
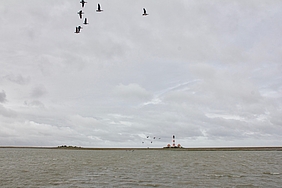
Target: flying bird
(85, 21)
(144, 12)
(82, 3)
(77, 30)
(99, 8)
(80, 14)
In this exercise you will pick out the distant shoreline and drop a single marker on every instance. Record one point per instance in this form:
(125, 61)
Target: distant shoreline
(168, 149)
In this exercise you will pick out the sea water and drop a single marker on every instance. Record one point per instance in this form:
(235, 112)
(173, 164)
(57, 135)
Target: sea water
(139, 168)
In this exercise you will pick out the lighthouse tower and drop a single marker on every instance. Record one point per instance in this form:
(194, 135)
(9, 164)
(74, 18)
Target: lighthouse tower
(173, 141)
(173, 144)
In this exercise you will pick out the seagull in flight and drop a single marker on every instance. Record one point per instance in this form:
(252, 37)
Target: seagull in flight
(82, 3)
(80, 14)
(85, 21)
(144, 12)
(99, 8)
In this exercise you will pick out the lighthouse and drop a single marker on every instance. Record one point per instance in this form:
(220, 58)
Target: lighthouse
(173, 141)
(173, 144)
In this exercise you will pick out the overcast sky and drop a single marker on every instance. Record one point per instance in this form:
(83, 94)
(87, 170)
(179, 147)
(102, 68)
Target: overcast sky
(207, 71)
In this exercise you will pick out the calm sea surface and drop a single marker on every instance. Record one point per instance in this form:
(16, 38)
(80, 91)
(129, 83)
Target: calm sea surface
(139, 168)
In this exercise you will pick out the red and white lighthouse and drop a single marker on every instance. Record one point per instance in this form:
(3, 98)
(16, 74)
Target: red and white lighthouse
(173, 144)
(173, 141)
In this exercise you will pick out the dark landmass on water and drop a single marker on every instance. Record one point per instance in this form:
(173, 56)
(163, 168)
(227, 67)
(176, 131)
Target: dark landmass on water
(168, 149)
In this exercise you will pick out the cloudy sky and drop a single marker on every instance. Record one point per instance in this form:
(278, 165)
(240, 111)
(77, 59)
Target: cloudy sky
(206, 71)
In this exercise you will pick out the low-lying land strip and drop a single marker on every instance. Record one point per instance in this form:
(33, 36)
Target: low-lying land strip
(170, 149)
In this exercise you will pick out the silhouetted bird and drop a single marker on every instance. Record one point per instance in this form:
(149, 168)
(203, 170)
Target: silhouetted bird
(99, 8)
(144, 12)
(147, 136)
(80, 14)
(82, 3)
(77, 30)
(85, 21)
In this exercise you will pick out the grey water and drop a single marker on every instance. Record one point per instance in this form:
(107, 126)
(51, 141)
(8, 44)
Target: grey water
(139, 168)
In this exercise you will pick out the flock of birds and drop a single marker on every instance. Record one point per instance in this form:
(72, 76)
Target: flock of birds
(99, 9)
(150, 140)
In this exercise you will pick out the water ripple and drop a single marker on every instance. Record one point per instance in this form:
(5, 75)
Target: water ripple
(147, 168)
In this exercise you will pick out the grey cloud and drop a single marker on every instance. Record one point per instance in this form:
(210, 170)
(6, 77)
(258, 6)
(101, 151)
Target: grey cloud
(7, 112)
(19, 79)
(132, 91)
(38, 91)
(34, 103)
(3, 96)
(207, 71)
